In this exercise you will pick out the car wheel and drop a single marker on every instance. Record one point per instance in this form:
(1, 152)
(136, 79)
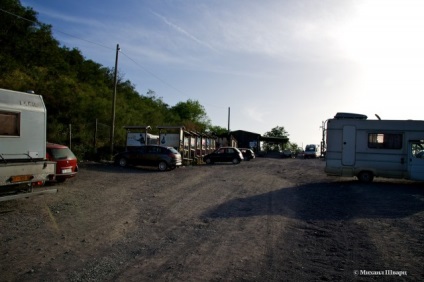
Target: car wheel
(162, 166)
(365, 176)
(235, 161)
(208, 161)
(122, 162)
(60, 179)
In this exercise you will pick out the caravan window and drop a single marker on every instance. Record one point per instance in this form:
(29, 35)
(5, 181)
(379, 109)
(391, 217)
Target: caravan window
(384, 141)
(418, 149)
(10, 123)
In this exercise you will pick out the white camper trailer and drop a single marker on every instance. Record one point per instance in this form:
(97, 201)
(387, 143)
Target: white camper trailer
(23, 125)
(357, 146)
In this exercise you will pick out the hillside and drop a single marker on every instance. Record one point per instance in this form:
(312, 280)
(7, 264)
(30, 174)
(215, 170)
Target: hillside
(78, 91)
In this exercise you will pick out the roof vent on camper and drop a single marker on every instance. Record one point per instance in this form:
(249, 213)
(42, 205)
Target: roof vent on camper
(349, 116)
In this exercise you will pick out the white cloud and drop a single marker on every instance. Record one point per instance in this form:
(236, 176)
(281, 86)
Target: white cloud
(335, 55)
(255, 114)
(66, 17)
(183, 31)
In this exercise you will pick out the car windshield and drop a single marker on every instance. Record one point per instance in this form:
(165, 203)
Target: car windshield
(62, 153)
(173, 150)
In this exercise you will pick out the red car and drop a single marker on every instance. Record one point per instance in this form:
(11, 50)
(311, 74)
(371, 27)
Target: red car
(66, 161)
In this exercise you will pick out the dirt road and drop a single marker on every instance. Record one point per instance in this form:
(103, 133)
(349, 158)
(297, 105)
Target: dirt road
(263, 220)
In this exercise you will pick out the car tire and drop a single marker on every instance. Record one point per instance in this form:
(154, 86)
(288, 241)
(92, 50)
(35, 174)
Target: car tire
(60, 179)
(162, 166)
(123, 162)
(365, 176)
(208, 161)
(235, 161)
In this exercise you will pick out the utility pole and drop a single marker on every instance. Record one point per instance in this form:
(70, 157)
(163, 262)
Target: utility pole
(228, 120)
(115, 82)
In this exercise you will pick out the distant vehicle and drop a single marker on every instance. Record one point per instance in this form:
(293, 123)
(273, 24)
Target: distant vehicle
(66, 161)
(247, 153)
(357, 146)
(286, 154)
(300, 155)
(310, 152)
(164, 158)
(224, 154)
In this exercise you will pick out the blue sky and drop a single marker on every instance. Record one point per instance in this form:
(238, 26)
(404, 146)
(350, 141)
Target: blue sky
(292, 63)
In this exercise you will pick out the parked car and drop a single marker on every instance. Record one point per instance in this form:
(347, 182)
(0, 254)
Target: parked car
(300, 154)
(286, 154)
(310, 152)
(66, 161)
(162, 157)
(224, 154)
(247, 153)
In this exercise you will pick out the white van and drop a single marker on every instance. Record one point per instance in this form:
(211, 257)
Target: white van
(357, 146)
(310, 151)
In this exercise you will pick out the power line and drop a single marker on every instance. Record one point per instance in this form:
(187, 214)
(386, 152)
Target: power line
(106, 47)
(57, 30)
(98, 44)
(152, 74)
(101, 45)
(22, 18)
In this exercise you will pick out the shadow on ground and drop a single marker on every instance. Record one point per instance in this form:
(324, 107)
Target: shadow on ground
(329, 201)
(111, 167)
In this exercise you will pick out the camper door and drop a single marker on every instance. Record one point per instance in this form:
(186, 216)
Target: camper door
(416, 160)
(349, 145)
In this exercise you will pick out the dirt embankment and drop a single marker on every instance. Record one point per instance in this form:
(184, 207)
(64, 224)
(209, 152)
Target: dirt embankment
(263, 220)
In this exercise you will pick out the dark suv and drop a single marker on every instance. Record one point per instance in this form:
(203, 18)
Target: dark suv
(163, 158)
(224, 154)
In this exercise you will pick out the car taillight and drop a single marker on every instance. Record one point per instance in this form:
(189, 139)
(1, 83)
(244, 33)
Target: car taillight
(37, 183)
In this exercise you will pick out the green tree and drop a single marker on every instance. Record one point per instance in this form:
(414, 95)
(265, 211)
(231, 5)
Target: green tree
(77, 91)
(277, 131)
(294, 147)
(217, 130)
(192, 115)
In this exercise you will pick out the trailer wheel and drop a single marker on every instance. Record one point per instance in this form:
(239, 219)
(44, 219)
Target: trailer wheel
(365, 176)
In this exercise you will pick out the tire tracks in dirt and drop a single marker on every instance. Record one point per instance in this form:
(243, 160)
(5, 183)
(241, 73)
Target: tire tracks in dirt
(267, 219)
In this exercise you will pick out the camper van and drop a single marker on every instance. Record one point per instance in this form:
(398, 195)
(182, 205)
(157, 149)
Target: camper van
(23, 125)
(365, 148)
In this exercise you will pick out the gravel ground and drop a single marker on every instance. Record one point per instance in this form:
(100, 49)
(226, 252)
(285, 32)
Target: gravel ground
(263, 220)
